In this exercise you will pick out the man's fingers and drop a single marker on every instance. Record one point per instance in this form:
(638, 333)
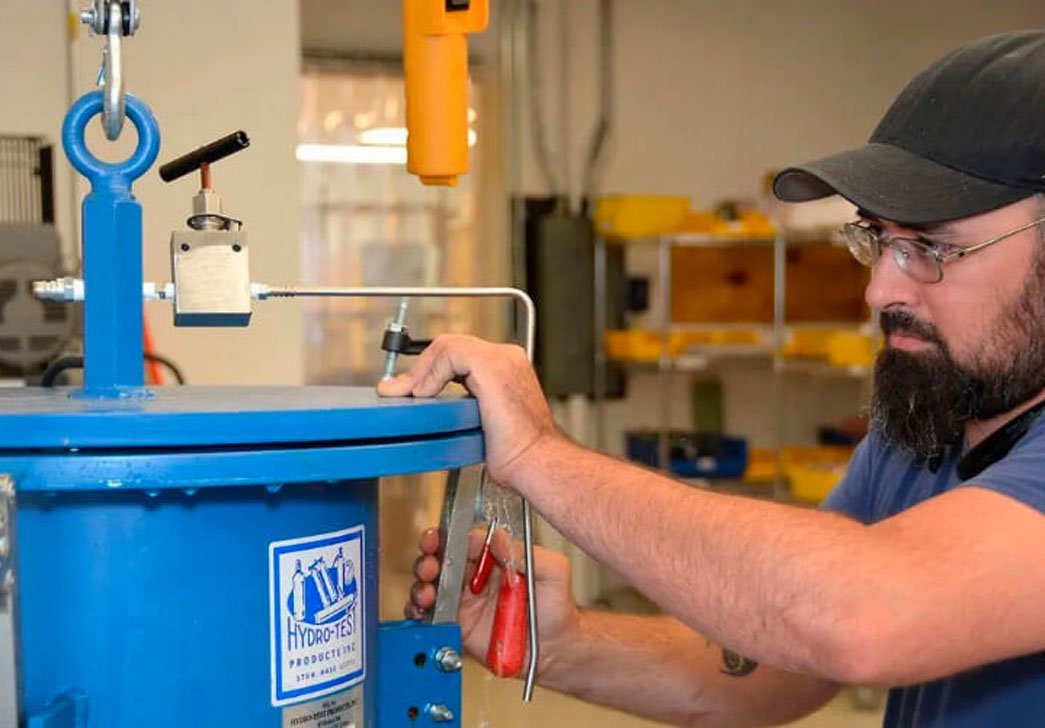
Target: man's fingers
(506, 549)
(412, 611)
(430, 541)
(443, 368)
(426, 568)
(476, 539)
(401, 386)
(422, 595)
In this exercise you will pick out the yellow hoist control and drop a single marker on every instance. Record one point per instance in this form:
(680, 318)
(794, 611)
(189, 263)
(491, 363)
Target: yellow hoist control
(435, 64)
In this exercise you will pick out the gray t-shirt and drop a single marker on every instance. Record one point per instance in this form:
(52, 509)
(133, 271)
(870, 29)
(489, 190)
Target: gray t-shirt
(882, 481)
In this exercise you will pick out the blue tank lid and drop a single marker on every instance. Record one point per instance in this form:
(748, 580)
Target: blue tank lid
(32, 418)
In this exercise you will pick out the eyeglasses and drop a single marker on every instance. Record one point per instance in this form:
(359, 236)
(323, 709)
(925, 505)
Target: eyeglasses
(919, 258)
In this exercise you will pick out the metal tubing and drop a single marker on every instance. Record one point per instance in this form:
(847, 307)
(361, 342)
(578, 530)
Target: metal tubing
(540, 139)
(779, 320)
(436, 292)
(530, 330)
(604, 125)
(601, 315)
(665, 363)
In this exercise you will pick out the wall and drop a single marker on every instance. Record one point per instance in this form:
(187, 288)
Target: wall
(709, 97)
(206, 69)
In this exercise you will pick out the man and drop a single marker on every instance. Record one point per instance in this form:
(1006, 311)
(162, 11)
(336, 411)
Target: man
(925, 570)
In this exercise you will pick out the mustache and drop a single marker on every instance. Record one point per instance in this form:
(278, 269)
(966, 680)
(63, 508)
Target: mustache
(905, 322)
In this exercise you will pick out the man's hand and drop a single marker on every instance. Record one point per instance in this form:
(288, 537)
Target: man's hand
(557, 615)
(515, 415)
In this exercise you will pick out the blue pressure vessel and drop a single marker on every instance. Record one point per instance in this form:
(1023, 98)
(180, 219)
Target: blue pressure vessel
(208, 556)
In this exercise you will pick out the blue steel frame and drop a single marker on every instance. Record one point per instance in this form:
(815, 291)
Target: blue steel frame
(112, 252)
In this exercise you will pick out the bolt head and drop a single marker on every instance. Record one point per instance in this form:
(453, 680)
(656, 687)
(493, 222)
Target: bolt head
(440, 714)
(448, 659)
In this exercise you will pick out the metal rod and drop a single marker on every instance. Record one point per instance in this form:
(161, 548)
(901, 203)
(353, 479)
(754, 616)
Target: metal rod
(530, 331)
(665, 362)
(604, 125)
(779, 321)
(601, 316)
(418, 292)
(540, 139)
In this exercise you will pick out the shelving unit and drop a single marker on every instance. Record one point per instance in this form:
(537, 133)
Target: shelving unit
(770, 346)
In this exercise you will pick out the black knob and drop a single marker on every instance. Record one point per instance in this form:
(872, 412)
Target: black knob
(227, 145)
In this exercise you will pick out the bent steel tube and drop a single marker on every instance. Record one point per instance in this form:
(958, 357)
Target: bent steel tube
(530, 332)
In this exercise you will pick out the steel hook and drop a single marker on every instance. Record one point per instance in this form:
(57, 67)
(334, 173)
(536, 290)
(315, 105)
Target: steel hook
(113, 111)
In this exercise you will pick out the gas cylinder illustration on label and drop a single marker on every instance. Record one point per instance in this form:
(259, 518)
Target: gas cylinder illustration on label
(317, 615)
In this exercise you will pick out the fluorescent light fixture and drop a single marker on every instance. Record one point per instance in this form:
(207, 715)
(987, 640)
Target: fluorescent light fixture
(395, 136)
(344, 154)
(389, 136)
(361, 154)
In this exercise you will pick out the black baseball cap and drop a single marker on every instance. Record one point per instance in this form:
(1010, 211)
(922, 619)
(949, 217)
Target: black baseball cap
(966, 136)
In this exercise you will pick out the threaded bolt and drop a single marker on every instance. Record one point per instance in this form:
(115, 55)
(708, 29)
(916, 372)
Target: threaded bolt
(448, 659)
(440, 714)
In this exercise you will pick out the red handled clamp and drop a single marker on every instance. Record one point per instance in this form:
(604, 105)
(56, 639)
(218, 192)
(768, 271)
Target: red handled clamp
(507, 650)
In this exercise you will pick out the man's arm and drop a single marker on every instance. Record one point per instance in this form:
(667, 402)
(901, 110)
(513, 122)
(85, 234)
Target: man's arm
(659, 668)
(953, 583)
(950, 584)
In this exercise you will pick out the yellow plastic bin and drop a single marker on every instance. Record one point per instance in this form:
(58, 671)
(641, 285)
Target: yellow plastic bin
(640, 216)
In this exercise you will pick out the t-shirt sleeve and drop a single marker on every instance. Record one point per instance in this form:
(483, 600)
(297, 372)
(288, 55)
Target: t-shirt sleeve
(1020, 474)
(852, 496)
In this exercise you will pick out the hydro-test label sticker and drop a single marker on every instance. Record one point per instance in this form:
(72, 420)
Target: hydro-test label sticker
(316, 615)
(343, 710)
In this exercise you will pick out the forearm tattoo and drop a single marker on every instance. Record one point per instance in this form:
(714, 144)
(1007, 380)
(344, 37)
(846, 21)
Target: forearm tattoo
(736, 665)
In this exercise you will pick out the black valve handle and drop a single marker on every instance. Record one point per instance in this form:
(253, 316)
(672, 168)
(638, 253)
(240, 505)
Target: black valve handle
(401, 343)
(224, 147)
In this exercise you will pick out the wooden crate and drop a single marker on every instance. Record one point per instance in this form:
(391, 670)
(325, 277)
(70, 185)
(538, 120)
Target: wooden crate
(734, 284)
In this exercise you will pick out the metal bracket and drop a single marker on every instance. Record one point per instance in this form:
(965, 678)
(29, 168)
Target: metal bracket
(462, 488)
(10, 695)
(418, 675)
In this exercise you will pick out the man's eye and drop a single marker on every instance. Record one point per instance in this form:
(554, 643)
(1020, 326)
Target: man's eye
(941, 248)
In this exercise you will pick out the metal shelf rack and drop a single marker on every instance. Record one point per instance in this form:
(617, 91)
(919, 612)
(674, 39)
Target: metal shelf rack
(704, 358)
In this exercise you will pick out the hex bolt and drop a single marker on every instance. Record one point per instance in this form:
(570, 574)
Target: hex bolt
(439, 713)
(448, 659)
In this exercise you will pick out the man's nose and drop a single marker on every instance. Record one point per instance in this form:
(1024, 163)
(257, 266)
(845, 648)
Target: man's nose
(889, 285)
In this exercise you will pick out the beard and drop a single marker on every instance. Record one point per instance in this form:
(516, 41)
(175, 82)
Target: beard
(922, 400)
